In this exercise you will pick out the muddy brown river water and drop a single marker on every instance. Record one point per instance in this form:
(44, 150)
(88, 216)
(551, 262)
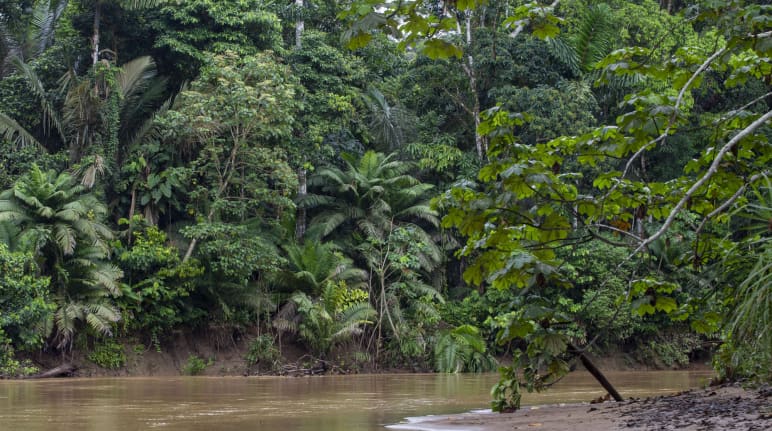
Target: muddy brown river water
(331, 403)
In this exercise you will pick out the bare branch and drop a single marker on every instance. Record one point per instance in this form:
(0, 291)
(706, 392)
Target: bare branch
(730, 201)
(710, 172)
(615, 229)
(677, 105)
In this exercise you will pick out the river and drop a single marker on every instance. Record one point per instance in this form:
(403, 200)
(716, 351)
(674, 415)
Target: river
(330, 403)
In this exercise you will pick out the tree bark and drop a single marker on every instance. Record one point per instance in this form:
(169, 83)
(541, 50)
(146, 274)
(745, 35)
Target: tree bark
(299, 25)
(595, 372)
(95, 36)
(469, 70)
(300, 218)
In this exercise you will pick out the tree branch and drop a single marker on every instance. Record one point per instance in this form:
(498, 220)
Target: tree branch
(711, 171)
(729, 201)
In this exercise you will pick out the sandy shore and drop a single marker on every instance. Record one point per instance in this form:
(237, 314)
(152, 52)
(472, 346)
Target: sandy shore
(725, 408)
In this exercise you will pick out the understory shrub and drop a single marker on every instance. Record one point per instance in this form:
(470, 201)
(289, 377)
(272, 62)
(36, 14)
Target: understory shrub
(262, 350)
(108, 354)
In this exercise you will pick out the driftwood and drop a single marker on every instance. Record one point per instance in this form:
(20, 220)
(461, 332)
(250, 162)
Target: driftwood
(595, 372)
(308, 365)
(62, 370)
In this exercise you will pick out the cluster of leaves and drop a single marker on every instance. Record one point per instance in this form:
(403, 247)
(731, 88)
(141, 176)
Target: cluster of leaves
(462, 349)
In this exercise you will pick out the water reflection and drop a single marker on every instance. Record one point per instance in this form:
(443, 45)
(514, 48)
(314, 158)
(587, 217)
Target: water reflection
(333, 403)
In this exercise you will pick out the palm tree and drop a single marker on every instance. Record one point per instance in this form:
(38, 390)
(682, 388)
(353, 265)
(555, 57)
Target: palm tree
(378, 212)
(30, 41)
(52, 216)
(100, 116)
(324, 322)
(373, 193)
(390, 124)
(748, 324)
(314, 265)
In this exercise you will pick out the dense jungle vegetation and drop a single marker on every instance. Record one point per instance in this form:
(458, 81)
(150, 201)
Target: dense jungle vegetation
(412, 183)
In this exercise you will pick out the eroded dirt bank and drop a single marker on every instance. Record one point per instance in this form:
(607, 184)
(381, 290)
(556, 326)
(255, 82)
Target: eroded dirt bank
(725, 408)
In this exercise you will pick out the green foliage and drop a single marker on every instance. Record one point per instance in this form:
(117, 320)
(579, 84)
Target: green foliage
(312, 266)
(262, 350)
(747, 339)
(462, 349)
(377, 210)
(25, 303)
(9, 365)
(669, 349)
(158, 283)
(372, 194)
(390, 124)
(417, 24)
(25, 307)
(506, 392)
(108, 354)
(188, 31)
(195, 366)
(531, 201)
(231, 120)
(624, 186)
(325, 322)
(329, 88)
(63, 225)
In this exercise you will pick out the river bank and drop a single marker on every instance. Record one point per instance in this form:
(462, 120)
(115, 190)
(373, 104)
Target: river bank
(223, 353)
(725, 408)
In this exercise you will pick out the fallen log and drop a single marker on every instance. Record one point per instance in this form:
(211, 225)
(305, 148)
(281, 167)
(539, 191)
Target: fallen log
(595, 372)
(62, 370)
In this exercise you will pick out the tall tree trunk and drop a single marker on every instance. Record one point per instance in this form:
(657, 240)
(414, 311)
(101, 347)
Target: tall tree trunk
(132, 209)
(471, 74)
(300, 218)
(95, 36)
(299, 24)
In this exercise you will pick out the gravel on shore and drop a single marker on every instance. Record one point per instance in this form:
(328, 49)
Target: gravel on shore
(714, 409)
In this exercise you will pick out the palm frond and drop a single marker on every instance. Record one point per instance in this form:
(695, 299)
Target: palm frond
(11, 131)
(50, 115)
(134, 73)
(141, 4)
(45, 16)
(325, 223)
(100, 317)
(594, 37)
(107, 276)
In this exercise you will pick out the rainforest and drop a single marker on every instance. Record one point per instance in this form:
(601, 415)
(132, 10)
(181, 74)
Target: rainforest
(353, 186)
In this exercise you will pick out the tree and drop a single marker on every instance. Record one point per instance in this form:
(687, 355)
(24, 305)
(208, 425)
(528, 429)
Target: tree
(189, 32)
(57, 220)
(326, 118)
(747, 277)
(156, 296)
(529, 202)
(97, 7)
(27, 40)
(231, 117)
(336, 316)
(95, 117)
(313, 265)
(377, 211)
(372, 194)
(445, 30)
(24, 304)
